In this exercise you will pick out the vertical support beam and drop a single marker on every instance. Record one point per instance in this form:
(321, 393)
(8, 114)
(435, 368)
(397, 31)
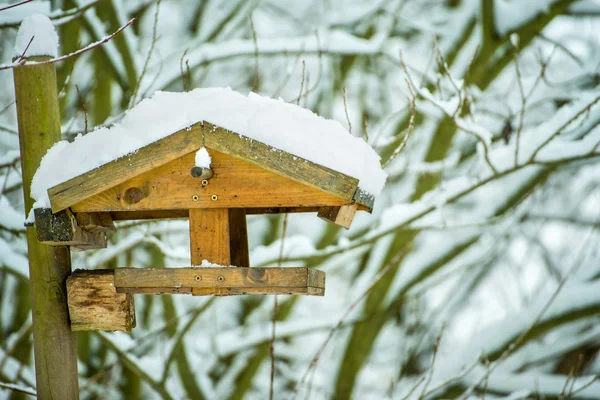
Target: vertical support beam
(209, 236)
(54, 343)
(238, 232)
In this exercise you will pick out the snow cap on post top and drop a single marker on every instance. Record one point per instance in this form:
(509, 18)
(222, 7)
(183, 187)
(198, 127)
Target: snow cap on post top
(45, 40)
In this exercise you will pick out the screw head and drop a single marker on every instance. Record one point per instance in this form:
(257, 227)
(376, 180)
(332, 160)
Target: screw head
(214, 197)
(198, 277)
(195, 197)
(204, 182)
(221, 278)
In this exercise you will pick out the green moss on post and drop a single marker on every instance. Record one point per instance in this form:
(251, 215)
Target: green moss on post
(54, 343)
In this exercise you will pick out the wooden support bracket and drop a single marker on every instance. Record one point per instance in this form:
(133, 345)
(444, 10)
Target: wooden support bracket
(220, 281)
(94, 304)
(342, 216)
(64, 229)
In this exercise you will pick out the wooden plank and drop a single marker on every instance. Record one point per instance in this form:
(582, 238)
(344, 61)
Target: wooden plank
(209, 236)
(152, 214)
(238, 238)
(62, 229)
(341, 216)
(95, 305)
(95, 222)
(183, 214)
(222, 280)
(309, 291)
(236, 184)
(279, 162)
(117, 171)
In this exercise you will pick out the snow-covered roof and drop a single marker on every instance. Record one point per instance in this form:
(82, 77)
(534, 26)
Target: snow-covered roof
(283, 126)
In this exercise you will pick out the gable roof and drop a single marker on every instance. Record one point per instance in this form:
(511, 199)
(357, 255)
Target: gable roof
(188, 140)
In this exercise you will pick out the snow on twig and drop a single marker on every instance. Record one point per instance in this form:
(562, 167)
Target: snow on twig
(23, 62)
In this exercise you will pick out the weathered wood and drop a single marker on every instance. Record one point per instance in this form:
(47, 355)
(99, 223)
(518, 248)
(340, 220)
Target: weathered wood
(222, 280)
(342, 216)
(151, 214)
(189, 140)
(181, 214)
(117, 171)
(238, 238)
(235, 184)
(54, 346)
(279, 162)
(209, 236)
(95, 305)
(96, 222)
(62, 229)
(365, 200)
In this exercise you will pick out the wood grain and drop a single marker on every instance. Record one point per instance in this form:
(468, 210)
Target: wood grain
(236, 184)
(341, 216)
(117, 171)
(95, 305)
(209, 236)
(62, 229)
(280, 162)
(238, 237)
(222, 281)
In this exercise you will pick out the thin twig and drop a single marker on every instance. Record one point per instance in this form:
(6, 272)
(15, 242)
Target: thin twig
(255, 41)
(152, 45)
(9, 386)
(184, 82)
(349, 310)
(517, 343)
(84, 107)
(436, 347)
(74, 54)
(15, 5)
(301, 82)
(562, 127)
(412, 111)
(366, 127)
(346, 110)
(523, 105)
(22, 56)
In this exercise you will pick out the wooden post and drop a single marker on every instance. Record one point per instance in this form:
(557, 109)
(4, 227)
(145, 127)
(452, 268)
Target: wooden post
(54, 343)
(238, 237)
(209, 236)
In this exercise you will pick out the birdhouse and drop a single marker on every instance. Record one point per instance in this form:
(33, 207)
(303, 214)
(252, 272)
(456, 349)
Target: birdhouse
(212, 176)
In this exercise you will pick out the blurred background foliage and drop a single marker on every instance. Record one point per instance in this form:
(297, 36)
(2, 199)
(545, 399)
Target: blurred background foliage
(476, 275)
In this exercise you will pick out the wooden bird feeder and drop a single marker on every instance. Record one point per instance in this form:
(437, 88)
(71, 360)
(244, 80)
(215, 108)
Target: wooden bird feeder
(161, 180)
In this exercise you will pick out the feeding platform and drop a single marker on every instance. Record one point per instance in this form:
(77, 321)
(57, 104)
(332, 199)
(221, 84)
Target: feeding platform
(162, 179)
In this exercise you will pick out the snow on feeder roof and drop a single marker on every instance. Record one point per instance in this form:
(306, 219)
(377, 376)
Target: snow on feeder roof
(224, 121)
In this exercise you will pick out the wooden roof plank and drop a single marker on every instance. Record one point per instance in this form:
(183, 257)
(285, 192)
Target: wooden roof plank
(120, 170)
(280, 162)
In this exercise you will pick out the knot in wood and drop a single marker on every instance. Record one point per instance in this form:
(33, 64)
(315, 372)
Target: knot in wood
(258, 275)
(133, 195)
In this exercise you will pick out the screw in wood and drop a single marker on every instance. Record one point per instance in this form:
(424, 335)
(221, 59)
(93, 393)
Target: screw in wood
(195, 197)
(221, 278)
(214, 197)
(204, 182)
(198, 277)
